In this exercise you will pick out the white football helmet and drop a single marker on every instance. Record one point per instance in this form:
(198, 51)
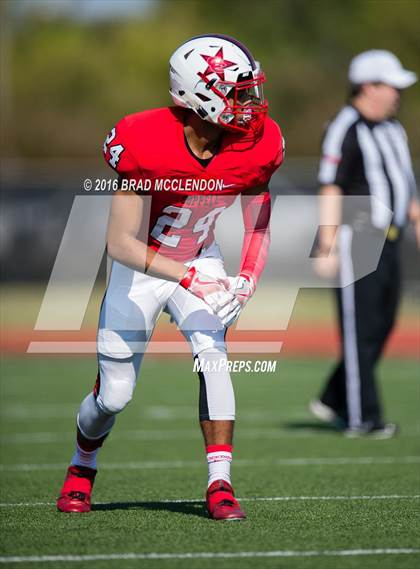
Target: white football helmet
(217, 77)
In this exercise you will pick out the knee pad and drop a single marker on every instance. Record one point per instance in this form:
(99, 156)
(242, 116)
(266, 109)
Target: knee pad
(115, 397)
(216, 399)
(117, 383)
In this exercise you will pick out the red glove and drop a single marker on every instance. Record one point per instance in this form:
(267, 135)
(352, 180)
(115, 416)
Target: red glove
(213, 291)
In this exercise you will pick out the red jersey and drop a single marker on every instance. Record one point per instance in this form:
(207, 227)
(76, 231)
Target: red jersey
(148, 150)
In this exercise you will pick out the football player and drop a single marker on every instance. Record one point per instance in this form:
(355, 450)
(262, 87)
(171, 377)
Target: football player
(179, 168)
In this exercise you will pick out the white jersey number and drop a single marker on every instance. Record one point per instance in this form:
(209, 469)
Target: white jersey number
(179, 221)
(183, 216)
(115, 151)
(206, 222)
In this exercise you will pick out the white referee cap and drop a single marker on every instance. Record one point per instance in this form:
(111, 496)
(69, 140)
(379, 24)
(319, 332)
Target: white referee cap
(378, 65)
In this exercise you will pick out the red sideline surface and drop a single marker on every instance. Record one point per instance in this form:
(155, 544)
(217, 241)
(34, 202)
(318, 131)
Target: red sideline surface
(299, 340)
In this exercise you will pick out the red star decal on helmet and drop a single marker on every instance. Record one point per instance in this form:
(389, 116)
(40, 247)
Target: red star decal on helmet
(216, 64)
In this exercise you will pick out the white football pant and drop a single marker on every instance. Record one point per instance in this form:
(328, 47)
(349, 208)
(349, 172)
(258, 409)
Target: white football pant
(132, 305)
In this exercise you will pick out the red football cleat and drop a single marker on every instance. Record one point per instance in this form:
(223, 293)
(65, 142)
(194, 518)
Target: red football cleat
(221, 502)
(76, 490)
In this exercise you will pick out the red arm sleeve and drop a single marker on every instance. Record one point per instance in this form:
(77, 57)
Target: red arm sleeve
(256, 210)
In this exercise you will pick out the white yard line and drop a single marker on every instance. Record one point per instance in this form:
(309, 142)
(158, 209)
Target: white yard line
(158, 464)
(166, 435)
(153, 435)
(205, 555)
(32, 411)
(255, 499)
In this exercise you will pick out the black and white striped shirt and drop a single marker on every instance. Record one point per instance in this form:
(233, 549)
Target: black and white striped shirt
(369, 158)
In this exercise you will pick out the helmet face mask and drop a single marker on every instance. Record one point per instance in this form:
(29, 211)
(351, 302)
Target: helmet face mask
(245, 106)
(217, 77)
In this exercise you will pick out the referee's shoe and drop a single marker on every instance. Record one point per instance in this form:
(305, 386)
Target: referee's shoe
(382, 431)
(322, 412)
(326, 414)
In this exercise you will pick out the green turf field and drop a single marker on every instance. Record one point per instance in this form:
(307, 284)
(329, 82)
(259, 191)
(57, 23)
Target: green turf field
(328, 494)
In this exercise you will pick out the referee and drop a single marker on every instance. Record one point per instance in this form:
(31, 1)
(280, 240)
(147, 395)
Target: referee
(365, 153)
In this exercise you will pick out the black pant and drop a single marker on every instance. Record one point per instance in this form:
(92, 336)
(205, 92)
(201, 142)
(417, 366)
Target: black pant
(367, 313)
